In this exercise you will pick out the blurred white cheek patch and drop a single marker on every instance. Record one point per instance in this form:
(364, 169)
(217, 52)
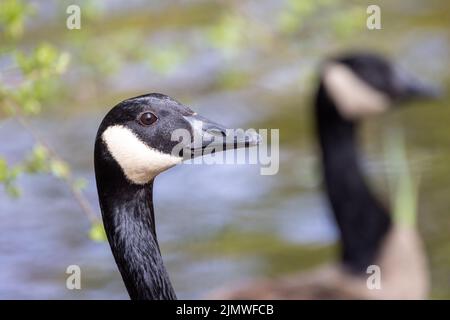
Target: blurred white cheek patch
(139, 162)
(353, 97)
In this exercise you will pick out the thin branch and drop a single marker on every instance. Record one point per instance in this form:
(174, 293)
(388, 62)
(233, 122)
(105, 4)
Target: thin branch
(78, 195)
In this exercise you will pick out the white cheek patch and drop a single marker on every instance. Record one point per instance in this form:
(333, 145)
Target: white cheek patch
(139, 162)
(353, 97)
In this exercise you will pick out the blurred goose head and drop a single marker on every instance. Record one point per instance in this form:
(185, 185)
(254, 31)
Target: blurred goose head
(363, 84)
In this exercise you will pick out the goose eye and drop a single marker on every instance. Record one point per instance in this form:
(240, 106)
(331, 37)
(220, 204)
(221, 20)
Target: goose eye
(147, 118)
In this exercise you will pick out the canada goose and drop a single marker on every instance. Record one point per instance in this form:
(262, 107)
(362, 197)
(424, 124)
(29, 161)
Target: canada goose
(351, 88)
(133, 145)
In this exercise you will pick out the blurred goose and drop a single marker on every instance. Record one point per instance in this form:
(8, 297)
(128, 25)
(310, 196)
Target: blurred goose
(134, 144)
(351, 88)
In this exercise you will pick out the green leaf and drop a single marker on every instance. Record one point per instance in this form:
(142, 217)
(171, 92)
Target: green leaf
(31, 106)
(97, 232)
(8, 176)
(43, 62)
(59, 169)
(62, 63)
(37, 160)
(12, 17)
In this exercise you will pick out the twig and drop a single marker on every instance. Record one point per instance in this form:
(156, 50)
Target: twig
(78, 195)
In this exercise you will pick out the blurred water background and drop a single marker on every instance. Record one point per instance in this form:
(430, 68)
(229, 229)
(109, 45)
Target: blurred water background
(245, 64)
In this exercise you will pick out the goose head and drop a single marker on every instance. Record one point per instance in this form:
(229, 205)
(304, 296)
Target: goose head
(363, 84)
(149, 134)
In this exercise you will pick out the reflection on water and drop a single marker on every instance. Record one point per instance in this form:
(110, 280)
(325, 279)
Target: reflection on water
(219, 224)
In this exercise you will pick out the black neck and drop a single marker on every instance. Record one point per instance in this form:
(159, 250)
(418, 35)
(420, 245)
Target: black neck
(362, 220)
(129, 222)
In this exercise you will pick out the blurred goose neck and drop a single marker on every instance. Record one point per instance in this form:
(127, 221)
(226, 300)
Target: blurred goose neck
(362, 221)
